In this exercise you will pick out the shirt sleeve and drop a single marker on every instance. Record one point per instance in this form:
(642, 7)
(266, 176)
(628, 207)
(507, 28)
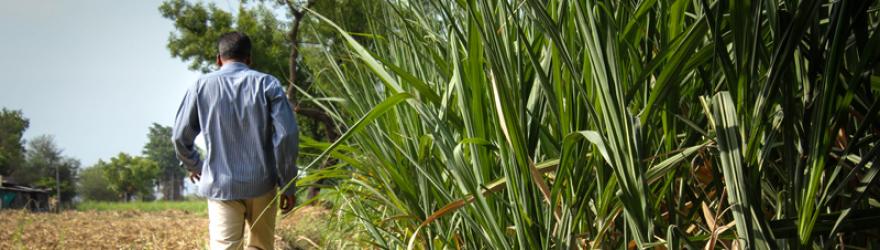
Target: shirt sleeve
(186, 127)
(285, 137)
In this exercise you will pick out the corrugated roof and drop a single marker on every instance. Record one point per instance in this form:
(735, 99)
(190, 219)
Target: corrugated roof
(19, 188)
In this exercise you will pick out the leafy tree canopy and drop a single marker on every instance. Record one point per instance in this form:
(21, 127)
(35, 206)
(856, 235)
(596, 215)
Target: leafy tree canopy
(160, 149)
(131, 175)
(199, 26)
(43, 159)
(12, 127)
(93, 185)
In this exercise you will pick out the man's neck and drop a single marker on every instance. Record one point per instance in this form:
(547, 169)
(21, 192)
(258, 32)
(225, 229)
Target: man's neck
(232, 61)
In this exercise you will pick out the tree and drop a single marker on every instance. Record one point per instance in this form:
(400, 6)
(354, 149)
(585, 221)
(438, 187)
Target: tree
(160, 150)
(199, 26)
(46, 167)
(12, 127)
(93, 185)
(68, 173)
(131, 176)
(41, 158)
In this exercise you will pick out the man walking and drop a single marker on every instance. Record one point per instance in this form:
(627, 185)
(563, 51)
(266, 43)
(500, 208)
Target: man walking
(251, 138)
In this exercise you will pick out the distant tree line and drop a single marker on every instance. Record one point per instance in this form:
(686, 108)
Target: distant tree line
(40, 163)
(126, 177)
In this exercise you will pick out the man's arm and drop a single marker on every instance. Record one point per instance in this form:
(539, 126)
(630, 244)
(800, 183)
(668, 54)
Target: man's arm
(285, 137)
(186, 127)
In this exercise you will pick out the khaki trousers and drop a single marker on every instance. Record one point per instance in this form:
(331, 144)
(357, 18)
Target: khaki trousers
(227, 225)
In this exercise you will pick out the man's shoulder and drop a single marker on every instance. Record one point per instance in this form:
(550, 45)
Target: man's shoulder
(209, 76)
(257, 75)
(246, 75)
(252, 74)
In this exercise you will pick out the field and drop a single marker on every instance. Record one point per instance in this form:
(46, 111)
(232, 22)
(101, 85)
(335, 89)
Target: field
(140, 225)
(170, 229)
(193, 206)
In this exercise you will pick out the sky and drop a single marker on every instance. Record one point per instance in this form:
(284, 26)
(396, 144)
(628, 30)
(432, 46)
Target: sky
(95, 74)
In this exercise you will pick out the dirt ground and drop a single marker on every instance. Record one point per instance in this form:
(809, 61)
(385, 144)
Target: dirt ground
(171, 229)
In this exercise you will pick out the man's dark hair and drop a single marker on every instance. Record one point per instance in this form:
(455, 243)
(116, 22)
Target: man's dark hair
(234, 45)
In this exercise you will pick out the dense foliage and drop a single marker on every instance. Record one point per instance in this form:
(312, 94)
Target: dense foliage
(605, 124)
(160, 150)
(127, 178)
(46, 167)
(41, 164)
(198, 26)
(12, 127)
(130, 176)
(93, 186)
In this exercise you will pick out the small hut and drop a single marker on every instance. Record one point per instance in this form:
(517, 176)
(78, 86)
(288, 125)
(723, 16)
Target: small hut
(19, 196)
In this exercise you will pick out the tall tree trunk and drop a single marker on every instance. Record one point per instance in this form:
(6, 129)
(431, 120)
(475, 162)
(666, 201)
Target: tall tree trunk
(178, 188)
(331, 130)
(167, 185)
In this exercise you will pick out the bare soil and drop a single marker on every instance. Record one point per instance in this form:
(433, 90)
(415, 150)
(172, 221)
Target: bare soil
(169, 229)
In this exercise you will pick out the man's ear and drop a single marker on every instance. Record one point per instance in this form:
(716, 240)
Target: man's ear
(247, 61)
(219, 62)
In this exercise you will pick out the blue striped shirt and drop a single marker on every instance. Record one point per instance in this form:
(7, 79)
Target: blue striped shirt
(250, 133)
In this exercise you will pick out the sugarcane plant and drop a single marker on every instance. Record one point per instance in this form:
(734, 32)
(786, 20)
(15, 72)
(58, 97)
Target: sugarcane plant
(553, 124)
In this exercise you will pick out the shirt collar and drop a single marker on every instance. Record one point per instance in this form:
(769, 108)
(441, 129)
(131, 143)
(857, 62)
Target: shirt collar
(234, 66)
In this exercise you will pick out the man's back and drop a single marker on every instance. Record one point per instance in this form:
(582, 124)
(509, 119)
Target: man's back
(251, 135)
(249, 131)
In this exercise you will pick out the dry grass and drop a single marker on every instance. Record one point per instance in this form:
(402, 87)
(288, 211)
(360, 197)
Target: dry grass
(133, 229)
(171, 229)
(312, 227)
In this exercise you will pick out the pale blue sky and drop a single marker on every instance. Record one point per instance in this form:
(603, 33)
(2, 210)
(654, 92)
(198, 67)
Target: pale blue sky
(93, 73)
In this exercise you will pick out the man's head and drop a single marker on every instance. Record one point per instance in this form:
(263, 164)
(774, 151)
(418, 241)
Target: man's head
(234, 46)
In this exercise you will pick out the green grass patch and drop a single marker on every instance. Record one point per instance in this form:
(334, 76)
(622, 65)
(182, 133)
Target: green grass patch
(193, 206)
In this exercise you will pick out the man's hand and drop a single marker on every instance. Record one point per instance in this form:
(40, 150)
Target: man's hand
(193, 176)
(287, 202)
